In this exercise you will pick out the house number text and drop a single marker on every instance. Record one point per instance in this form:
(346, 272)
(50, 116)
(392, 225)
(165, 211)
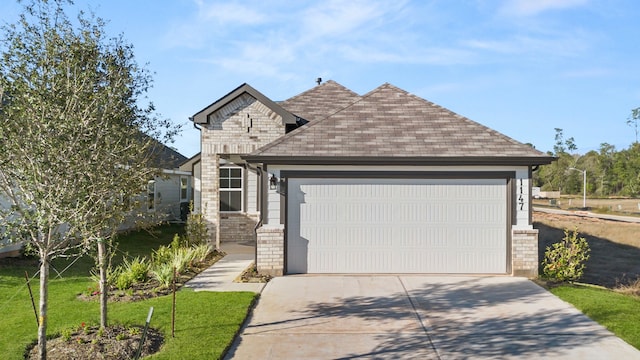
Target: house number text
(520, 195)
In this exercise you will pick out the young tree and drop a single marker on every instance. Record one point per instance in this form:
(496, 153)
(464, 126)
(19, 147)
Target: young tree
(76, 143)
(554, 176)
(633, 121)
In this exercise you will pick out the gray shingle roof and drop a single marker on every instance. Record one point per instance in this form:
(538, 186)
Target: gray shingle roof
(389, 123)
(320, 101)
(166, 157)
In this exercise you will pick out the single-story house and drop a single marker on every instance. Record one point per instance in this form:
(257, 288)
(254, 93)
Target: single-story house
(330, 181)
(166, 197)
(192, 166)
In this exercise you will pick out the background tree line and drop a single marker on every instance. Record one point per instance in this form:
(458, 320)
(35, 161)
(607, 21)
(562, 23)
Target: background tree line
(610, 172)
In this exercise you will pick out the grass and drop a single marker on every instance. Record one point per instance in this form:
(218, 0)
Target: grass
(617, 312)
(205, 322)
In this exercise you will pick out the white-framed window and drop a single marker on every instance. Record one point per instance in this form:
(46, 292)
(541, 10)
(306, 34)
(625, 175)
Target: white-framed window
(231, 189)
(151, 195)
(184, 188)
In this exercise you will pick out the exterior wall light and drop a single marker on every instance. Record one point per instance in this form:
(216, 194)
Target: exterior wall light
(273, 183)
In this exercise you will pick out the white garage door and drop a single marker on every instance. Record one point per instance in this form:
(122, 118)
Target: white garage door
(397, 226)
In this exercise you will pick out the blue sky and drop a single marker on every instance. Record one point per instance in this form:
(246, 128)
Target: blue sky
(522, 67)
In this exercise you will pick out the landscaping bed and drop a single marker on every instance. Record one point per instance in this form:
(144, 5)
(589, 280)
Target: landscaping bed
(151, 287)
(251, 275)
(205, 323)
(91, 343)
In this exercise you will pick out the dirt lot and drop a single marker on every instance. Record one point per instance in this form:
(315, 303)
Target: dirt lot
(615, 246)
(624, 206)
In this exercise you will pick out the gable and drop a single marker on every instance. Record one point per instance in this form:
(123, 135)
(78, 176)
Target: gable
(237, 98)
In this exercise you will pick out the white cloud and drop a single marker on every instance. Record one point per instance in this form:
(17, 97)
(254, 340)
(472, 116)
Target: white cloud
(278, 40)
(553, 45)
(272, 41)
(336, 18)
(229, 13)
(535, 7)
(211, 20)
(422, 56)
(588, 73)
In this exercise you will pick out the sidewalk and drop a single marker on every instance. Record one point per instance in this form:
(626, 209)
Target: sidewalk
(220, 276)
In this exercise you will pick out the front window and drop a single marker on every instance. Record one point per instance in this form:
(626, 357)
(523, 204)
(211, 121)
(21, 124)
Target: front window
(184, 188)
(151, 195)
(231, 189)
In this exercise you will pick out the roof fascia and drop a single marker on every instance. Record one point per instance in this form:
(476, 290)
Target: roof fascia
(433, 161)
(202, 116)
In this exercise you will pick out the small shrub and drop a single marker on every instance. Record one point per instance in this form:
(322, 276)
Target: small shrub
(631, 288)
(66, 334)
(182, 259)
(196, 229)
(124, 281)
(201, 252)
(131, 272)
(162, 255)
(133, 331)
(177, 242)
(112, 275)
(138, 268)
(163, 273)
(565, 260)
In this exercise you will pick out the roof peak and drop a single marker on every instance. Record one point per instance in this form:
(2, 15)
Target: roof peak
(391, 122)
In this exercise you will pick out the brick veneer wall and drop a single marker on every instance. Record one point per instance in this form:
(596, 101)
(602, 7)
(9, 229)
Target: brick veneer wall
(239, 127)
(270, 251)
(237, 227)
(524, 244)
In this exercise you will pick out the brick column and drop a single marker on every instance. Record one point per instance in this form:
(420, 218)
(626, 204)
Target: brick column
(524, 245)
(210, 201)
(270, 250)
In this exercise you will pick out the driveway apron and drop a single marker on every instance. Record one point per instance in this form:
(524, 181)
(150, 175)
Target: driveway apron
(419, 317)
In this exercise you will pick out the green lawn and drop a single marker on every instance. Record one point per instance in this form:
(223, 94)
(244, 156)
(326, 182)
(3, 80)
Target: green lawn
(205, 322)
(617, 312)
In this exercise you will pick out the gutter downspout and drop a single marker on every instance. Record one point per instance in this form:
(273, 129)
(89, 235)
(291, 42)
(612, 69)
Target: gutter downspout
(194, 124)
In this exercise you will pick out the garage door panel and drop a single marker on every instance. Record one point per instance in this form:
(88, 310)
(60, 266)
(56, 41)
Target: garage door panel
(397, 226)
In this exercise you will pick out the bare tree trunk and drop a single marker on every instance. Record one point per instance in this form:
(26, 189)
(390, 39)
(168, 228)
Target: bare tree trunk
(102, 264)
(44, 293)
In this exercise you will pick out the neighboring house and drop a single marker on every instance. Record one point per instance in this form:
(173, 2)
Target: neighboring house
(192, 166)
(166, 197)
(333, 182)
(7, 248)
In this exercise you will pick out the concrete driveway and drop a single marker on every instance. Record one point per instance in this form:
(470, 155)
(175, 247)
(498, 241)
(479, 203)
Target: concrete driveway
(419, 317)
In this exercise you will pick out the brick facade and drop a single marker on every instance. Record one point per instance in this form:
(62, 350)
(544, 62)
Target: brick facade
(524, 247)
(270, 250)
(240, 123)
(239, 127)
(237, 227)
